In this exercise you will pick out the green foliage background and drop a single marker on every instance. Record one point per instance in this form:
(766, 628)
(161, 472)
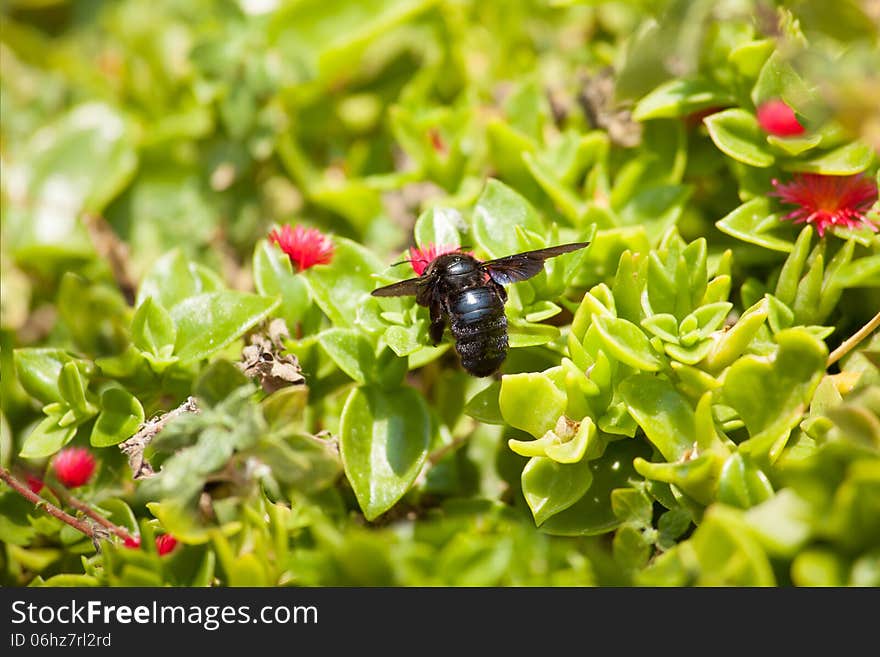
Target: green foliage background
(666, 415)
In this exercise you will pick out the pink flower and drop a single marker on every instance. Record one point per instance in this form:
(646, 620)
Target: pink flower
(74, 466)
(777, 118)
(35, 484)
(306, 247)
(421, 258)
(828, 201)
(165, 543)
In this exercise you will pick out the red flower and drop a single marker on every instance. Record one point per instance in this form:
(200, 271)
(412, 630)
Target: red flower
(421, 258)
(35, 484)
(132, 542)
(306, 247)
(828, 201)
(165, 543)
(74, 466)
(777, 118)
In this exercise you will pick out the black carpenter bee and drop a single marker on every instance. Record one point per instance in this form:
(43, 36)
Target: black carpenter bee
(471, 295)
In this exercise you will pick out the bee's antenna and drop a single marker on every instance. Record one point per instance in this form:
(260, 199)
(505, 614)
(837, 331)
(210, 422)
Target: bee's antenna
(401, 262)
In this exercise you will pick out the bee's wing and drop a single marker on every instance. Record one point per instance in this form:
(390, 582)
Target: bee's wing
(399, 289)
(520, 266)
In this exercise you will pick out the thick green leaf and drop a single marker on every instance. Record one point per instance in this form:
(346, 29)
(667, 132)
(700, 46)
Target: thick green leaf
(771, 396)
(626, 342)
(679, 97)
(498, 212)
(38, 371)
(274, 276)
(46, 439)
(173, 278)
(384, 444)
(844, 160)
(731, 344)
(749, 222)
(77, 163)
(439, 226)
(592, 513)
(484, 405)
(342, 288)
(152, 329)
(208, 322)
(742, 484)
(727, 553)
(121, 415)
(736, 133)
(550, 487)
(531, 402)
(352, 352)
(664, 414)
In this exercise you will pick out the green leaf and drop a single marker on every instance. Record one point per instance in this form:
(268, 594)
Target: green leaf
(341, 289)
(731, 344)
(742, 483)
(274, 276)
(778, 79)
(709, 317)
(351, 351)
(152, 329)
(46, 439)
(172, 278)
(736, 133)
(439, 226)
(498, 212)
(771, 396)
(73, 391)
(77, 163)
(726, 552)
(794, 145)
(664, 414)
(38, 371)
(632, 505)
(531, 402)
(550, 487)
(630, 547)
(679, 97)
(790, 276)
(819, 567)
(121, 415)
(484, 405)
(749, 58)
(753, 222)
(844, 160)
(384, 444)
(592, 513)
(626, 342)
(662, 325)
(208, 322)
(782, 522)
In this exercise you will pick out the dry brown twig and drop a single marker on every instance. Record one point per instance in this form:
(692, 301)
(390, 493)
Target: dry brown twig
(134, 447)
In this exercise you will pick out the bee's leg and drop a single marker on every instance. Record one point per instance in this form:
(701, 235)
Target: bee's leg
(501, 291)
(437, 324)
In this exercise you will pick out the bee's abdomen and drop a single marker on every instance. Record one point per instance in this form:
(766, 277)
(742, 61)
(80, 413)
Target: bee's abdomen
(479, 326)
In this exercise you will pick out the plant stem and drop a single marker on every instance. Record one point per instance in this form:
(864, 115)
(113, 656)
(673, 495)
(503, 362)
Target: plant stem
(134, 447)
(50, 508)
(850, 343)
(79, 505)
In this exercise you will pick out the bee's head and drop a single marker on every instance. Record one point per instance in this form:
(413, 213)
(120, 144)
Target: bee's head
(456, 263)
